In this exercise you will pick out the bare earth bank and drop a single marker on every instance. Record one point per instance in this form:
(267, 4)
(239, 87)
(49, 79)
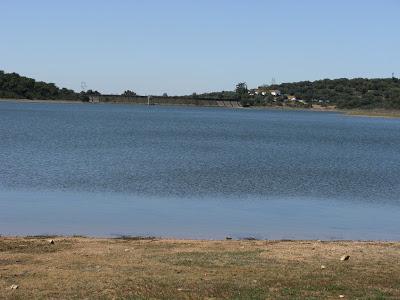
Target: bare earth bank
(189, 269)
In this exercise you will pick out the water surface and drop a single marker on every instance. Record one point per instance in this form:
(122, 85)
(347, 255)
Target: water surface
(107, 170)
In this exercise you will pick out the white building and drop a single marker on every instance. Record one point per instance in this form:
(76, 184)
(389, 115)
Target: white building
(275, 93)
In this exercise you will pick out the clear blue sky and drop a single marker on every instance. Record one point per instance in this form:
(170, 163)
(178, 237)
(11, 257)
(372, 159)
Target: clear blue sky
(183, 46)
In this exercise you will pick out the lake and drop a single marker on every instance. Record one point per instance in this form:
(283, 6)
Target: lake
(197, 172)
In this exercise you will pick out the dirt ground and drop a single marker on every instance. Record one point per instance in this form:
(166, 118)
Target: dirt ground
(88, 268)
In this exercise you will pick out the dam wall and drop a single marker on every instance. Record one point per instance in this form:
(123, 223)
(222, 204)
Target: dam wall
(159, 100)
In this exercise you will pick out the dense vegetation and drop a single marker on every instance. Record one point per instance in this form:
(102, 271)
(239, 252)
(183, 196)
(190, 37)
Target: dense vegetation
(342, 93)
(348, 93)
(15, 86)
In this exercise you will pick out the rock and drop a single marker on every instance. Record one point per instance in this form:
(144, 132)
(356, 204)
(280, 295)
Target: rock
(14, 287)
(51, 242)
(345, 257)
(341, 296)
(323, 267)
(127, 250)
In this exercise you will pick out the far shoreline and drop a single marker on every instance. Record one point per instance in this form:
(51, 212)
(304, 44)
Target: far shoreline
(372, 113)
(167, 238)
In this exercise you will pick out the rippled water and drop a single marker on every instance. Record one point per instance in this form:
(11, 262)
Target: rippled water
(197, 172)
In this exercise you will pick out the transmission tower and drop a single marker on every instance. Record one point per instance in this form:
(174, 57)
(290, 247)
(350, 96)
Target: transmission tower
(83, 86)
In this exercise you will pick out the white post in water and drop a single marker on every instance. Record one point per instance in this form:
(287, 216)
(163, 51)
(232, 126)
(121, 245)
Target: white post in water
(148, 100)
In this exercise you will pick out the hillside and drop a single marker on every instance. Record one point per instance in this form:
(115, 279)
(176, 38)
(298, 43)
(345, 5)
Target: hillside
(347, 93)
(14, 86)
(343, 93)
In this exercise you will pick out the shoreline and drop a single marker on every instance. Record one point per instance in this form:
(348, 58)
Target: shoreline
(134, 267)
(390, 114)
(373, 113)
(228, 238)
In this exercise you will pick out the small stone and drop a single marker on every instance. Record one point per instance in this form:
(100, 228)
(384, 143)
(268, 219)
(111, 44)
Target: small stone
(51, 242)
(341, 296)
(254, 281)
(14, 287)
(127, 250)
(323, 267)
(345, 257)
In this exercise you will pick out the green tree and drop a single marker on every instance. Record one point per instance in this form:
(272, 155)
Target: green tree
(241, 89)
(128, 93)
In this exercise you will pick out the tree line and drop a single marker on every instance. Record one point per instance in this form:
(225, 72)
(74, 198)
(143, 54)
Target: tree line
(342, 93)
(14, 86)
(347, 93)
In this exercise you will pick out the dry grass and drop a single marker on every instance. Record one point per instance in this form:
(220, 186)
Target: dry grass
(80, 268)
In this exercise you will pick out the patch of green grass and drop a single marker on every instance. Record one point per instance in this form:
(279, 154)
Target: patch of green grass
(250, 293)
(212, 259)
(289, 291)
(334, 288)
(380, 295)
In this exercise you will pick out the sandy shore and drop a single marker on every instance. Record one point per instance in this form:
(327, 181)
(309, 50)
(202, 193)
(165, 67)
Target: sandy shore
(77, 268)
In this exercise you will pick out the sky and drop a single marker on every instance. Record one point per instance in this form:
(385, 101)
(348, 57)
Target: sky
(184, 46)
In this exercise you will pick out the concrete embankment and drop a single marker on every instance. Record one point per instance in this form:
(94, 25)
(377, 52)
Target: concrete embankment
(156, 100)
